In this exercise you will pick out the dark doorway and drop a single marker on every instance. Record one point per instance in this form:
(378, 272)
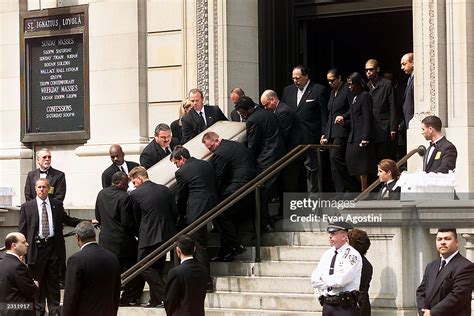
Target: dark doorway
(347, 42)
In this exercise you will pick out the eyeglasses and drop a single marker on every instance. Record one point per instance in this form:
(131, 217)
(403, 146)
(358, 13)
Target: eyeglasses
(296, 78)
(369, 69)
(44, 157)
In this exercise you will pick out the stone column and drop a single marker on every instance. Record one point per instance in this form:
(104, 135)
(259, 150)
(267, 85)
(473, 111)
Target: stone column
(459, 120)
(429, 47)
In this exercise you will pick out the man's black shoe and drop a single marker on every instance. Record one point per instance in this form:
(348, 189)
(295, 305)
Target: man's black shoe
(152, 305)
(240, 249)
(210, 287)
(217, 258)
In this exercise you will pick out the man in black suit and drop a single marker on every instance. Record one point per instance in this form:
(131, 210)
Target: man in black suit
(310, 100)
(160, 147)
(118, 164)
(186, 285)
(234, 96)
(200, 117)
(153, 206)
(384, 110)
(448, 282)
(265, 143)
(56, 178)
(113, 210)
(289, 128)
(441, 155)
(41, 221)
(16, 282)
(92, 277)
(196, 194)
(235, 167)
(408, 67)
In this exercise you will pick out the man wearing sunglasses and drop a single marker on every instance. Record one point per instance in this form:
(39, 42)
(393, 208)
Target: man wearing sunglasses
(56, 178)
(384, 110)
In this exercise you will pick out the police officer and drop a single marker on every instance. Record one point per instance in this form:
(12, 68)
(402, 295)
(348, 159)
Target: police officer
(336, 279)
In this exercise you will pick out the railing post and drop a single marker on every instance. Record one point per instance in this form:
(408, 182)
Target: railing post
(320, 171)
(257, 223)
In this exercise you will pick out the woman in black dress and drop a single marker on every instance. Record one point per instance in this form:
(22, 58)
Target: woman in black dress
(336, 134)
(360, 152)
(361, 242)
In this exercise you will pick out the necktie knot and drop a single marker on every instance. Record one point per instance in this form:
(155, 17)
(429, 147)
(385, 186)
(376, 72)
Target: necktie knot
(443, 263)
(44, 171)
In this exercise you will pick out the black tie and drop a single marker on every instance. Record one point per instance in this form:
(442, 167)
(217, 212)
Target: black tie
(121, 169)
(45, 172)
(168, 151)
(443, 263)
(333, 261)
(202, 119)
(331, 267)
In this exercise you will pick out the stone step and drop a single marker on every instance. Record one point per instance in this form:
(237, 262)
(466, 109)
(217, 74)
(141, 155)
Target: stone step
(277, 239)
(264, 268)
(266, 301)
(255, 312)
(279, 253)
(141, 311)
(264, 284)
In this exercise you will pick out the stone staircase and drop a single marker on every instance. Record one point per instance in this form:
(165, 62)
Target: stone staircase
(278, 285)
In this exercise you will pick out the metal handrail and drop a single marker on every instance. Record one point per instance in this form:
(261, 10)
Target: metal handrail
(421, 150)
(228, 202)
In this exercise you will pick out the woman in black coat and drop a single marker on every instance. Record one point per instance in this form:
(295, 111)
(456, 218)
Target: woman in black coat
(336, 134)
(361, 242)
(360, 152)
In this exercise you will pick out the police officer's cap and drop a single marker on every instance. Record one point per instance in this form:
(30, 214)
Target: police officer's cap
(335, 226)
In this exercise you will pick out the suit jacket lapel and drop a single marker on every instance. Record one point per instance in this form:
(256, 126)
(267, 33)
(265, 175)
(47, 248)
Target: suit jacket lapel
(439, 278)
(34, 215)
(304, 97)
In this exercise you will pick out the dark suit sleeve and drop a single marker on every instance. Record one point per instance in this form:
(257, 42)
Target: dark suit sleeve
(285, 121)
(23, 224)
(253, 139)
(187, 128)
(421, 292)
(28, 194)
(172, 293)
(220, 166)
(104, 179)
(220, 115)
(73, 284)
(393, 109)
(448, 159)
(68, 220)
(367, 116)
(181, 194)
(60, 189)
(126, 214)
(24, 280)
(460, 293)
(323, 104)
(146, 160)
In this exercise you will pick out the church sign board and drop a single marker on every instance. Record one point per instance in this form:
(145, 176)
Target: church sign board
(55, 75)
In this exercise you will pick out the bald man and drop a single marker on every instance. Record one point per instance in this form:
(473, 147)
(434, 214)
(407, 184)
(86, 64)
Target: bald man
(16, 282)
(118, 164)
(408, 67)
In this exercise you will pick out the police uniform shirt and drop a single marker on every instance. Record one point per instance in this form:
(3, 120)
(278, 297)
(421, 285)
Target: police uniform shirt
(347, 271)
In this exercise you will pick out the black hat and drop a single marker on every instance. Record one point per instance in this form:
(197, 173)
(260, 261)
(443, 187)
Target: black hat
(335, 226)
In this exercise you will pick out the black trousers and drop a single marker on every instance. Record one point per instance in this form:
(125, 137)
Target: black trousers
(330, 310)
(343, 182)
(132, 291)
(201, 254)
(46, 271)
(228, 223)
(154, 275)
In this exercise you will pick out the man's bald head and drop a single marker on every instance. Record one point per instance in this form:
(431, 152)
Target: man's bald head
(372, 69)
(116, 154)
(16, 243)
